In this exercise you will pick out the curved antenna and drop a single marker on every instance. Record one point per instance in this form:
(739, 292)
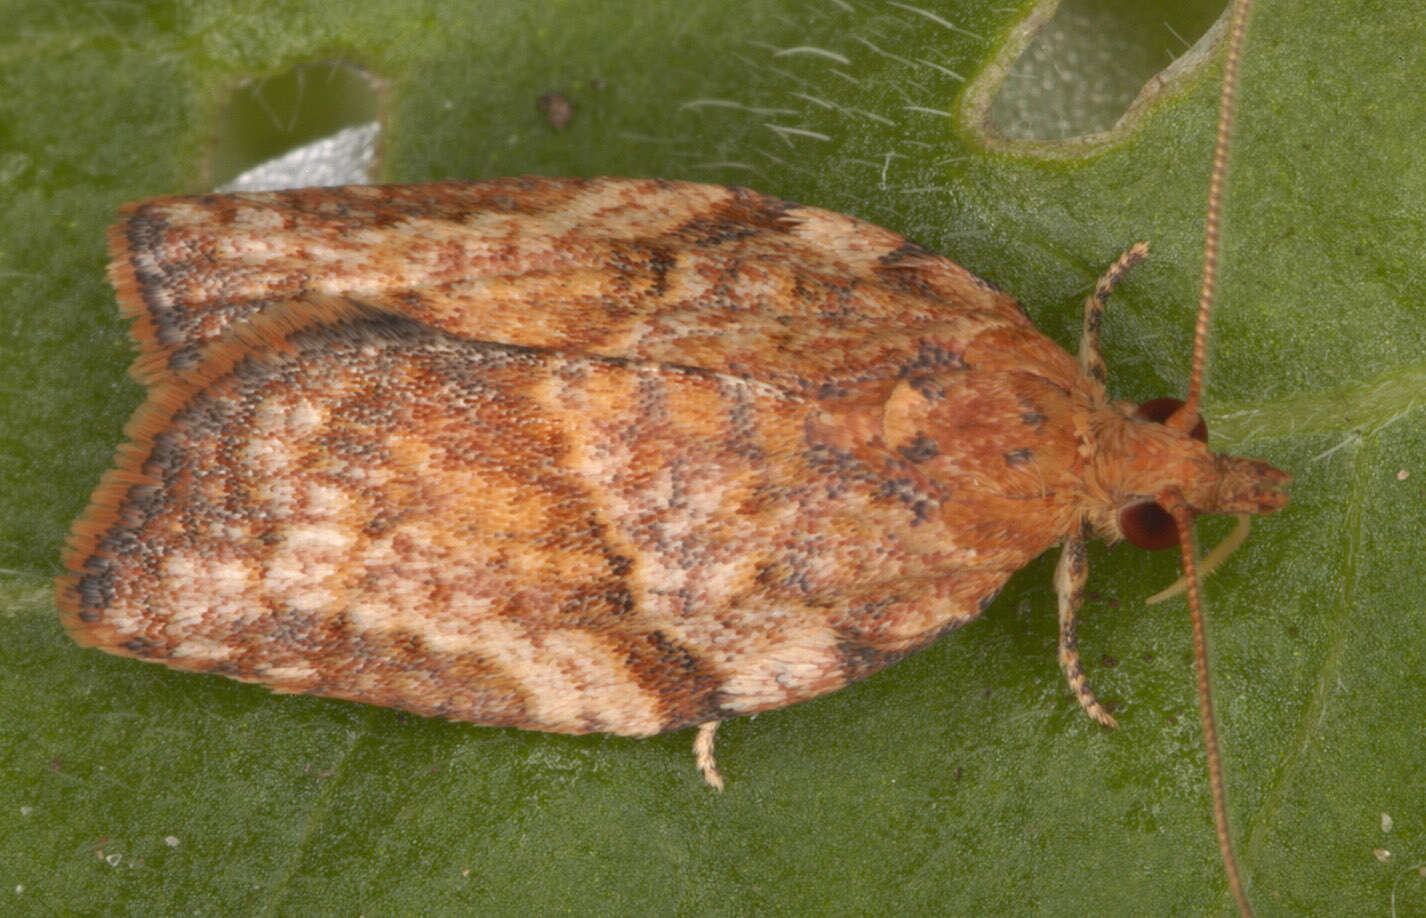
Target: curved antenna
(1210, 561)
(1214, 218)
(1183, 517)
(1186, 418)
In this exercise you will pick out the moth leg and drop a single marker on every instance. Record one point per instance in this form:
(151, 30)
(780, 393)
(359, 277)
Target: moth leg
(703, 754)
(1091, 358)
(1071, 574)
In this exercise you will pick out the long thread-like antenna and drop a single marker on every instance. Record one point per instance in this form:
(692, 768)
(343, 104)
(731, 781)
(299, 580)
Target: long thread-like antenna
(1186, 418)
(1214, 218)
(1183, 517)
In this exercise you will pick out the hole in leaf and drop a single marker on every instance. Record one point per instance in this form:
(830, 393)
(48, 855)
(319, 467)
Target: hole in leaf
(316, 124)
(1082, 71)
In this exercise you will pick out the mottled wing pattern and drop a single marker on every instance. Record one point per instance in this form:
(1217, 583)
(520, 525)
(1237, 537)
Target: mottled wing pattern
(697, 275)
(348, 502)
(573, 455)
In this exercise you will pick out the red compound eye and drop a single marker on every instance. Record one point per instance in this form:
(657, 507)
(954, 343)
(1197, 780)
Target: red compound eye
(1147, 525)
(1159, 410)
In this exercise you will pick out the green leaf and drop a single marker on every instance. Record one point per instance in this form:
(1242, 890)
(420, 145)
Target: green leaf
(965, 780)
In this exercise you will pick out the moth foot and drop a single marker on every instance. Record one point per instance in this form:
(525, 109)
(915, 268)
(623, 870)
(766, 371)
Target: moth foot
(1086, 697)
(703, 754)
(1070, 577)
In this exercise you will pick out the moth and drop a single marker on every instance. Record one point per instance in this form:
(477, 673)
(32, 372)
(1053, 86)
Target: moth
(596, 455)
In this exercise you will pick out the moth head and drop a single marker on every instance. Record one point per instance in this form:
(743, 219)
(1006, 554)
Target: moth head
(1162, 459)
